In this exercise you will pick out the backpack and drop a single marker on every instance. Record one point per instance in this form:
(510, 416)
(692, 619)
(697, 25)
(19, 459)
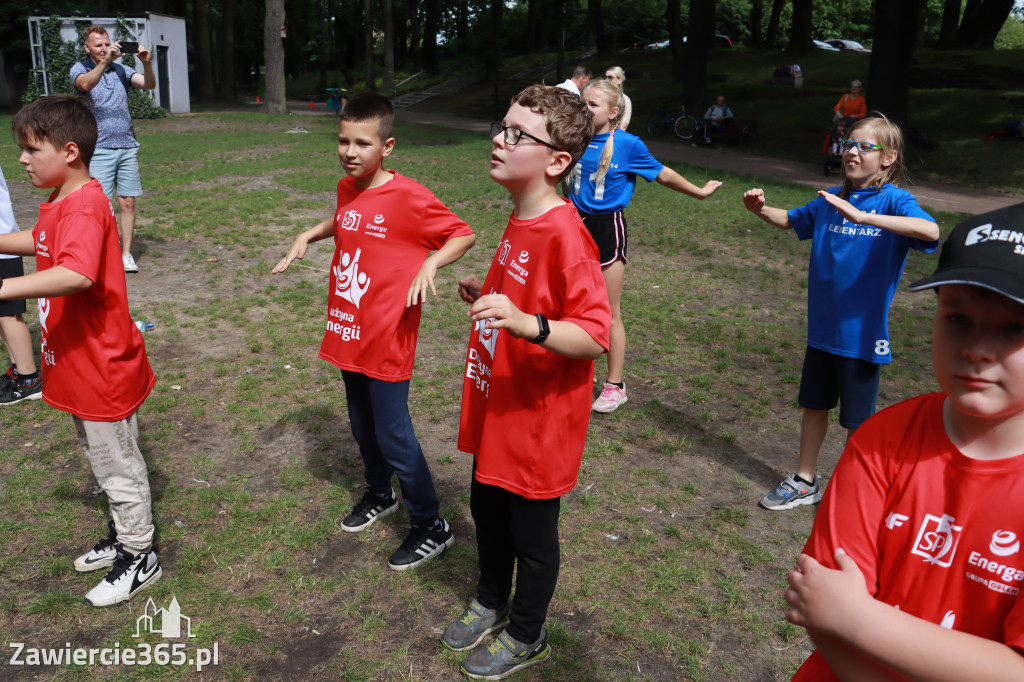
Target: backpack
(122, 75)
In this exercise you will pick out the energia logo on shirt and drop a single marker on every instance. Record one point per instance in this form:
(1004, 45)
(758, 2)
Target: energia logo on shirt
(350, 283)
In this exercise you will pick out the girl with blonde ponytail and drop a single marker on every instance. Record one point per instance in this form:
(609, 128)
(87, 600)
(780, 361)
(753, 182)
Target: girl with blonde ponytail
(601, 186)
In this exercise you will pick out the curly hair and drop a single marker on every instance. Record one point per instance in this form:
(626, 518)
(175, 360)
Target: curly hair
(567, 119)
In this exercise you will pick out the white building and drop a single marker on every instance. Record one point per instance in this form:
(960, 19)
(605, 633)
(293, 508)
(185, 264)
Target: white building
(163, 35)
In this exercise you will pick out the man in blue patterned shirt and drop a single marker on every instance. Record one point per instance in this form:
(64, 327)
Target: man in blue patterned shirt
(115, 162)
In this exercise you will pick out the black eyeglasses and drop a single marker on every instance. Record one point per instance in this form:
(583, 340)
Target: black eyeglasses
(513, 135)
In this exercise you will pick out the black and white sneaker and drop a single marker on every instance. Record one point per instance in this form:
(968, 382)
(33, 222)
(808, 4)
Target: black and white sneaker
(130, 574)
(15, 390)
(101, 555)
(421, 545)
(369, 510)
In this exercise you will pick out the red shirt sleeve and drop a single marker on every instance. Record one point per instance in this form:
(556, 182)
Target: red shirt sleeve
(79, 244)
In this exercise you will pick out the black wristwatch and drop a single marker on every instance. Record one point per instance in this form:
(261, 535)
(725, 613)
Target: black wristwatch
(544, 329)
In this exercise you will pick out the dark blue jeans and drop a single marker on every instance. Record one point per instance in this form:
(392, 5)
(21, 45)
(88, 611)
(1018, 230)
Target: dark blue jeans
(379, 414)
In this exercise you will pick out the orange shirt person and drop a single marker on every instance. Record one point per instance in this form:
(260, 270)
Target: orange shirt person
(851, 104)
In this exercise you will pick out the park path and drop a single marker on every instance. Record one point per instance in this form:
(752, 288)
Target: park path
(933, 195)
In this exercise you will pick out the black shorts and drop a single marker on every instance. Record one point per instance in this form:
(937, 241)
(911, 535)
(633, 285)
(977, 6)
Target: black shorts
(609, 232)
(11, 267)
(829, 379)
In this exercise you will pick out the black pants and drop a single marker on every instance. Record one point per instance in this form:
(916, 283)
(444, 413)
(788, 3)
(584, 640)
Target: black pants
(511, 528)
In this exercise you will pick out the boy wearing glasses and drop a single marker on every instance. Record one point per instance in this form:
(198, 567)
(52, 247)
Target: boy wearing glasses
(541, 317)
(862, 233)
(384, 230)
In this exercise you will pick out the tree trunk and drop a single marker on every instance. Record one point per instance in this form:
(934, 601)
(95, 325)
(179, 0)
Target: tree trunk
(494, 54)
(228, 75)
(201, 57)
(771, 36)
(698, 42)
(371, 79)
(800, 32)
(431, 22)
(950, 21)
(388, 83)
(273, 57)
(673, 18)
(891, 55)
(595, 36)
(560, 37)
(756, 19)
(979, 31)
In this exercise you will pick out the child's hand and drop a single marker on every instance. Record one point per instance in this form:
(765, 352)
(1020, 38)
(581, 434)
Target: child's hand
(845, 208)
(825, 599)
(709, 188)
(298, 251)
(753, 200)
(501, 313)
(470, 288)
(423, 280)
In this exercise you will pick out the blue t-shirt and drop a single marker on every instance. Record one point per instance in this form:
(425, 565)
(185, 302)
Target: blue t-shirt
(110, 107)
(854, 271)
(614, 192)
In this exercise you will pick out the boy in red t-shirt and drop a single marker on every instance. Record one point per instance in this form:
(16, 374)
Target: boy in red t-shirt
(384, 230)
(914, 567)
(93, 358)
(541, 318)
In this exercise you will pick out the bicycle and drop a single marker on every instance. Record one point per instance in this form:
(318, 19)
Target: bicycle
(676, 118)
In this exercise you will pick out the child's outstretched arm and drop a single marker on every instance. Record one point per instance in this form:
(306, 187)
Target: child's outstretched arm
(907, 226)
(322, 230)
(669, 178)
(453, 249)
(753, 201)
(844, 620)
(55, 281)
(17, 243)
(566, 338)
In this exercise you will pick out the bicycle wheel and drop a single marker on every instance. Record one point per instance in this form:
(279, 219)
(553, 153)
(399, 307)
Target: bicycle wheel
(685, 126)
(656, 123)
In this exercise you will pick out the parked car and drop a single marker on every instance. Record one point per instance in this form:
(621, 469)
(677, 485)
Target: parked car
(822, 45)
(660, 45)
(847, 45)
(722, 41)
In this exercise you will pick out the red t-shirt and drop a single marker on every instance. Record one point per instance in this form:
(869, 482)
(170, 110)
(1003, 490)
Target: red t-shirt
(936, 533)
(382, 236)
(93, 357)
(525, 410)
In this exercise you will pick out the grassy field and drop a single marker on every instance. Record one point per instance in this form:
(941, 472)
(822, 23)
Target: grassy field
(669, 569)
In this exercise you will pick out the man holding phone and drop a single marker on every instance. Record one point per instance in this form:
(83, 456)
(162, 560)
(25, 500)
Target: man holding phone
(115, 162)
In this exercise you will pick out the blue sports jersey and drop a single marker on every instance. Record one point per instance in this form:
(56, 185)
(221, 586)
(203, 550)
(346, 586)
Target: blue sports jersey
(614, 192)
(854, 271)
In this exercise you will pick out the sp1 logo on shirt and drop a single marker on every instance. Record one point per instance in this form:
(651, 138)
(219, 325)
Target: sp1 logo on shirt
(351, 220)
(937, 539)
(503, 251)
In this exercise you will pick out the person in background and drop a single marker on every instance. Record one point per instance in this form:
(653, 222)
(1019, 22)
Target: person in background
(616, 75)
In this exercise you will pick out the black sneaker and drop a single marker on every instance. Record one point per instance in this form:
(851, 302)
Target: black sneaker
(369, 510)
(101, 555)
(421, 545)
(14, 391)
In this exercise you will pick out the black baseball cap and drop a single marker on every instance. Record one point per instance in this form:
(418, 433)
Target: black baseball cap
(985, 250)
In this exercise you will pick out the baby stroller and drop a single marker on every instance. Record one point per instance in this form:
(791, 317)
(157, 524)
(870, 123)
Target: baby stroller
(831, 150)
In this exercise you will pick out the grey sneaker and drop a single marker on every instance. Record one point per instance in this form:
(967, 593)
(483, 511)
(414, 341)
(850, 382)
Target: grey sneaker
(472, 626)
(792, 493)
(505, 656)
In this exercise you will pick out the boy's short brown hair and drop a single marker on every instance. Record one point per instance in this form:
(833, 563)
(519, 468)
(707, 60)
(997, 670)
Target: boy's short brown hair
(567, 118)
(58, 119)
(369, 106)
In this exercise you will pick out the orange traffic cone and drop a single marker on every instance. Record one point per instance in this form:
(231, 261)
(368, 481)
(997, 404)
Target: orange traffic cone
(257, 99)
(310, 104)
